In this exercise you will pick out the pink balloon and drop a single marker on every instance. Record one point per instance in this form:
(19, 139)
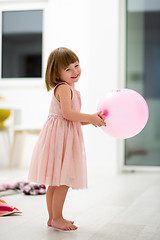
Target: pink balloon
(126, 113)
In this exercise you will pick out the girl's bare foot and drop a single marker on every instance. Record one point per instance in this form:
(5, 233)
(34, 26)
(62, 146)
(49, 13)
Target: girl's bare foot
(62, 224)
(49, 222)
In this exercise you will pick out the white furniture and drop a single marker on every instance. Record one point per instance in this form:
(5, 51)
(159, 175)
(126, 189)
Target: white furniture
(6, 129)
(23, 131)
(6, 138)
(15, 108)
(18, 129)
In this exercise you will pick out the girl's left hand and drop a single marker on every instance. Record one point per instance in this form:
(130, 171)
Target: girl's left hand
(102, 116)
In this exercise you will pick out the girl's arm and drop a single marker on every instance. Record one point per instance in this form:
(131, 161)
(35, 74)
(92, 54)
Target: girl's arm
(84, 123)
(64, 96)
(100, 115)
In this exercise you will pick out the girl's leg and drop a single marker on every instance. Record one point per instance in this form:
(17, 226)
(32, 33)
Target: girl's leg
(49, 197)
(57, 203)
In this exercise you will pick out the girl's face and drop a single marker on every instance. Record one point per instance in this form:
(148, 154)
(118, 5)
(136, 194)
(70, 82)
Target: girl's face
(71, 74)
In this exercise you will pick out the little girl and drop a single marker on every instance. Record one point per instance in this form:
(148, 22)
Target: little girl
(58, 158)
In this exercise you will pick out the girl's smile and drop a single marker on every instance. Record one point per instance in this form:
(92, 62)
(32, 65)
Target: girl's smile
(75, 76)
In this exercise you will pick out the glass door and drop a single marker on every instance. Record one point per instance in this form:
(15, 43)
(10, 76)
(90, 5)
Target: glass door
(143, 76)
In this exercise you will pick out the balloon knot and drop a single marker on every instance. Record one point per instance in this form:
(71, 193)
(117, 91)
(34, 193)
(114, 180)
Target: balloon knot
(105, 113)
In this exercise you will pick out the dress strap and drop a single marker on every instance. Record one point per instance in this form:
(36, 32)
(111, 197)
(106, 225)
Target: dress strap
(64, 83)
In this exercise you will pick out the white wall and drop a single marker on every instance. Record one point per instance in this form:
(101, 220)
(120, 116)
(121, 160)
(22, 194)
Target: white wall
(90, 28)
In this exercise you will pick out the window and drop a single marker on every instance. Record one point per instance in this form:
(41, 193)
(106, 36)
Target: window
(21, 44)
(143, 75)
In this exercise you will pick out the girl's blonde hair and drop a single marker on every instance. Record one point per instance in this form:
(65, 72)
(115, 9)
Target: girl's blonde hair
(59, 59)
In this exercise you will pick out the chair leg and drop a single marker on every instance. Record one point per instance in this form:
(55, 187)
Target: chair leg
(22, 149)
(12, 150)
(7, 140)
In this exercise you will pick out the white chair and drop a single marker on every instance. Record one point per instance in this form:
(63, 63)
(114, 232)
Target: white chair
(4, 129)
(23, 131)
(6, 137)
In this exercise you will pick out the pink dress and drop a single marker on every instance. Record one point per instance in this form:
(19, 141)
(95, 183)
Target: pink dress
(59, 155)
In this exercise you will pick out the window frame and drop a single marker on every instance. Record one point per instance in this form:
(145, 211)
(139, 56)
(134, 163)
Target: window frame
(122, 61)
(22, 6)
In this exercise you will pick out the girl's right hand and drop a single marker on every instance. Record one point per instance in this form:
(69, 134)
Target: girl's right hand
(97, 119)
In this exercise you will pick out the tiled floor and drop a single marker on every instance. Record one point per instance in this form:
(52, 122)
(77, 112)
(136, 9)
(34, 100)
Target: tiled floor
(115, 207)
